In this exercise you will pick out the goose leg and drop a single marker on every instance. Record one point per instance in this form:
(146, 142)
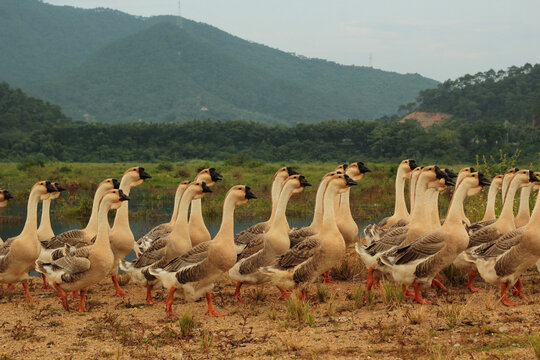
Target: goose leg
(82, 304)
(169, 302)
(284, 293)
(237, 292)
(63, 295)
(504, 297)
(376, 282)
(369, 281)
(27, 292)
(470, 284)
(326, 279)
(418, 295)
(406, 292)
(149, 294)
(211, 311)
(45, 283)
(119, 291)
(10, 287)
(436, 284)
(302, 294)
(517, 290)
(75, 294)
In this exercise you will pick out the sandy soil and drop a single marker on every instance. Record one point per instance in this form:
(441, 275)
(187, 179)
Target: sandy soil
(340, 321)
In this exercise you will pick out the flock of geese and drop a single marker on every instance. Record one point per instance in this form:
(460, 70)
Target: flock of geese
(410, 247)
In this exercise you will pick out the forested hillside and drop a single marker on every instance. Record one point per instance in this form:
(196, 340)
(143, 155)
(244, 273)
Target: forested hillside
(107, 66)
(49, 135)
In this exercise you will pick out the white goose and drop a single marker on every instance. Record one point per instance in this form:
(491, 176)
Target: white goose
(197, 271)
(197, 228)
(45, 230)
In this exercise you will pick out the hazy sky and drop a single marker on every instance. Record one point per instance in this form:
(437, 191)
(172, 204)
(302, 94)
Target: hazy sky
(437, 39)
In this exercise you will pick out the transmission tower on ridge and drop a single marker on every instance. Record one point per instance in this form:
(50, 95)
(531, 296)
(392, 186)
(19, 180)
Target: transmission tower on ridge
(179, 19)
(370, 60)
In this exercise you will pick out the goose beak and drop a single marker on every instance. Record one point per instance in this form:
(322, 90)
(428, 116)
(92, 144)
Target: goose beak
(532, 177)
(143, 174)
(116, 184)
(440, 174)
(123, 197)
(215, 175)
(472, 169)
(7, 195)
(59, 187)
(350, 182)
(291, 171)
(412, 164)
(50, 187)
(205, 188)
(482, 180)
(451, 173)
(249, 194)
(303, 181)
(363, 168)
(449, 182)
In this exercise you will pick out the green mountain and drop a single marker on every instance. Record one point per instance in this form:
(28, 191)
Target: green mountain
(104, 65)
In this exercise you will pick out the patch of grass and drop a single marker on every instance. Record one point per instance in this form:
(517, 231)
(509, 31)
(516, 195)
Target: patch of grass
(299, 311)
(415, 315)
(206, 340)
(534, 340)
(322, 293)
(187, 323)
(456, 277)
(258, 295)
(349, 269)
(452, 313)
(24, 332)
(392, 295)
(362, 298)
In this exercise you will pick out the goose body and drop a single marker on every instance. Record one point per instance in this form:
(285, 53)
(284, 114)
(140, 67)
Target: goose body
(88, 265)
(196, 271)
(4, 198)
(489, 215)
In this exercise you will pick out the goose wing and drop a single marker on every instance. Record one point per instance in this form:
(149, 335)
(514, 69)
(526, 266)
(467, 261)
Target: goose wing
(422, 248)
(299, 254)
(245, 236)
(501, 245)
(298, 235)
(388, 241)
(471, 229)
(485, 235)
(254, 245)
(71, 237)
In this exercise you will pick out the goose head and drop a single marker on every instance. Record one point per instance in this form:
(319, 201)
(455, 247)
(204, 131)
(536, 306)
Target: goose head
(433, 174)
(298, 181)
(200, 189)
(109, 184)
(209, 176)
(341, 181)
(537, 184)
(241, 194)
(356, 170)
(136, 175)
(406, 167)
(182, 186)
(114, 198)
(524, 178)
(59, 188)
(44, 188)
(4, 197)
(474, 182)
(284, 173)
(497, 181)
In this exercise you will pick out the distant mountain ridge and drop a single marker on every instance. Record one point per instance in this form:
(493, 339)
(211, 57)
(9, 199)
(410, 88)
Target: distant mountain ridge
(108, 66)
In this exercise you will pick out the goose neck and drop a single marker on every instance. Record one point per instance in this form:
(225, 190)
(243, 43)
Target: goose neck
(329, 218)
(420, 211)
(122, 219)
(490, 206)
(30, 225)
(534, 222)
(524, 209)
(176, 204)
(45, 222)
(102, 236)
(93, 221)
(280, 218)
(507, 212)
(400, 207)
(226, 230)
(454, 216)
(318, 211)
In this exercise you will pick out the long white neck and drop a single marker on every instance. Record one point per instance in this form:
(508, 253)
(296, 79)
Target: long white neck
(275, 192)
(507, 212)
(102, 236)
(122, 219)
(433, 200)
(30, 226)
(318, 211)
(454, 215)
(420, 212)
(534, 222)
(92, 225)
(280, 219)
(180, 239)
(490, 206)
(226, 230)
(329, 217)
(177, 196)
(344, 203)
(507, 180)
(412, 191)
(400, 207)
(45, 228)
(524, 211)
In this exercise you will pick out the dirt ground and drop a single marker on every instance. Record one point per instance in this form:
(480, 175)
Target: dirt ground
(339, 321)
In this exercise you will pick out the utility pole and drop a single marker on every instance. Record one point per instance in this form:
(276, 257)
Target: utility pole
(179, 19)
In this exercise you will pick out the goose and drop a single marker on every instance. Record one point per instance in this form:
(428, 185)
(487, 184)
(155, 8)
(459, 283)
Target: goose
(197, 229)
(87, 265)
(429, 178)
(504, 260)
(76, 237)
(422, 259)
(275, 240)
(121, 237)
(374, 231)
(247, 236)
(18, 254)
(4, 198)
(462, 173)
(45, 230)
(197, 271)
(304, 263)
(164, 229)
(489, 233)
(508, 176)
(346, 224)
(164, 249)
(489, 215)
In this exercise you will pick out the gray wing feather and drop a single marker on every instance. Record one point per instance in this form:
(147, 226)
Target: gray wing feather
(298, 254)
(298, 235)
(388, 241)
(483, 236)
(501, 245)
(71, 237)
(424, 247)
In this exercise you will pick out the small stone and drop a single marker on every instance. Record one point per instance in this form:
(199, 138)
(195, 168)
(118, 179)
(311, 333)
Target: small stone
(503, 329)
(457, 345)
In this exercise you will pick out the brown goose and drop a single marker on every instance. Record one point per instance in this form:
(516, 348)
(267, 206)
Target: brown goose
(45, 230)
(197, 228)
